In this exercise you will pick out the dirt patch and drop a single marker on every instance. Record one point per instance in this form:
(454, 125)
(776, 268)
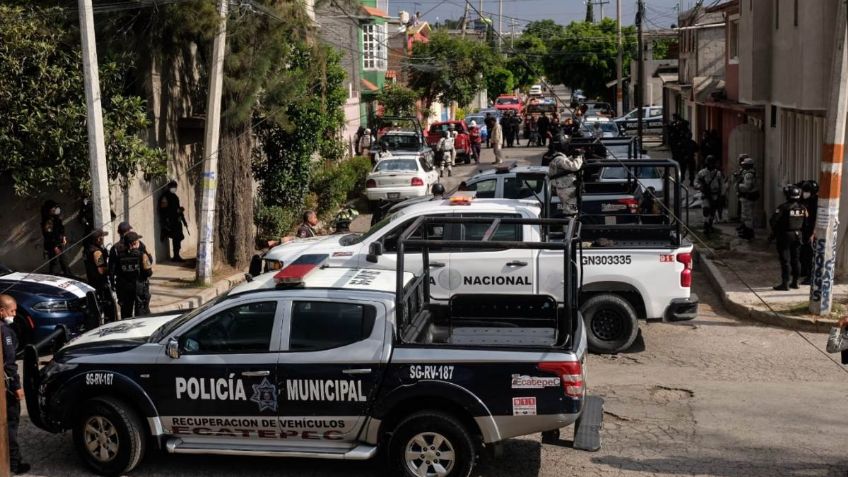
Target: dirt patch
(665, 394)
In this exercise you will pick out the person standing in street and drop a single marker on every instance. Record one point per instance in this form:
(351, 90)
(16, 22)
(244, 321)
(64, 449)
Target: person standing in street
(476, 140)
(448, 146)
(710, 181)
(53, 232)
(749, 193)
(86, 216)
(490, 122)
(543, 125)
(171, 220)
(307, 227)
(563, 174)
(810, 200)
(95, 258)
(497, 142)
(14, 390)
(134, 270)
(787, 222)
(364, 146)
(506, 125)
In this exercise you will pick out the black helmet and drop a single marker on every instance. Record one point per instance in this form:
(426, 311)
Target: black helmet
(710, 160)
(810, 186)
(563, 141)
(792, 192)
(438, 189)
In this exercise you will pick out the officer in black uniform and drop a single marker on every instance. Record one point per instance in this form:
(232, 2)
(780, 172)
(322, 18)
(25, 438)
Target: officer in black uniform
(14, 391)
(53, 231)
(787, 222)
(810, 199)
(134, 269)
(95, 258)
(171, 219)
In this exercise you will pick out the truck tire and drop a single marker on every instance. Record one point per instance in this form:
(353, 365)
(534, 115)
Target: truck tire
(611, 323)
(109, 436)
(431, 443)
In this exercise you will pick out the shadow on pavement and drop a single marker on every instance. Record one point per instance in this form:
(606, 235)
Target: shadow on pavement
(711, 465)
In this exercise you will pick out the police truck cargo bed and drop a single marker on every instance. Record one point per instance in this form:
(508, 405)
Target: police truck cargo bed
(328, 362)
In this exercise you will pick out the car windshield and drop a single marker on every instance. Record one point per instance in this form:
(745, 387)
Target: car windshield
(506, 101)
(400, 142)
(373, 230)
(396, 165)
(172, 325)
(438, 128)
(609, 127)
(621, 172)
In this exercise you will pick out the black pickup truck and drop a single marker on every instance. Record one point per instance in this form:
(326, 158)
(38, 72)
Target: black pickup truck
(313, 361)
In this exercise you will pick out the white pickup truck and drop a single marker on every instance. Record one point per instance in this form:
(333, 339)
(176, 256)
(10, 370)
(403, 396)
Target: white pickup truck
(622, 281)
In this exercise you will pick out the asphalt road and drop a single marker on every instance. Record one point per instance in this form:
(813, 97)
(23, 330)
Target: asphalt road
(712, 396)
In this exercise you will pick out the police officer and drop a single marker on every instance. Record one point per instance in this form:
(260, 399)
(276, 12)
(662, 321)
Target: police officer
(749, 193)
(344, 219)
(53, 232)
(95, 258)
(307, 228)
(448, 146)
(787, 222)
(171, 219)
(810, 199)
(86, 215)
(14, 391)
(710, 182)
(563, 173)
(134, 271)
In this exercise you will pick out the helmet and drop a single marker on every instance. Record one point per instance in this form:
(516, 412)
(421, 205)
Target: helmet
(563, 143)
(367, 131)
(747, 161)
(473, 123)
(741, 157)
(710, 161)
(438, 189)
(810, 186)
(792, 192)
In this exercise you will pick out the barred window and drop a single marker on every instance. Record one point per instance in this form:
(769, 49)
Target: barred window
(374, 54)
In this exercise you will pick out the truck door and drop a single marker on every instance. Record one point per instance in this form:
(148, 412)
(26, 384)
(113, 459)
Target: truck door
(222, 387)
(329, 373)
(492, 271)
(439, 259)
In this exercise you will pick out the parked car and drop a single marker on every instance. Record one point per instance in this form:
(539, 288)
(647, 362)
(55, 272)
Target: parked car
(507, 102)
(462, 143)
(402, 135)
(652, 119)
(45, 302)
(609, 129)
(400, 178)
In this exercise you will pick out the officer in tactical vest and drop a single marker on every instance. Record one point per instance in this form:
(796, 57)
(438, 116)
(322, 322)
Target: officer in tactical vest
(344, 219)
(134, 269)
(749, 193)
(95, 258)
(14, 390)
(787, 222)
(171, 219)
(563, 174)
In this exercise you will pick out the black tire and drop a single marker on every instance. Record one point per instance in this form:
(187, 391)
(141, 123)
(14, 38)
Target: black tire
(428, 425)
(120, 426)
(611, 323)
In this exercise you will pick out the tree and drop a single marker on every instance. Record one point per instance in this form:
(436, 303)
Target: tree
(449, 68)
(527, 60)
(545, 30)
(663, 48)
(43, 136)
(584, 55)
(398, 100)
(499, 81)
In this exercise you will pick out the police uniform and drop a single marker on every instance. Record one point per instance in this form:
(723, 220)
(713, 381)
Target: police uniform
(53, 231)
(305, 231)
(563, 173)
(134, 269)
(711, 184)
(746, 188)
(96, 264)
(13, 384)
(449, 152)
(171, 220)
(812, 205)
(787, 222)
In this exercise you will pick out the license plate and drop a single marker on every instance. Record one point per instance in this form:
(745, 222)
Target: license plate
(393, 195)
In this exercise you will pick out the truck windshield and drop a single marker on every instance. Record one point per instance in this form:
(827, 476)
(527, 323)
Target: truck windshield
(355, 239)
(172, 325)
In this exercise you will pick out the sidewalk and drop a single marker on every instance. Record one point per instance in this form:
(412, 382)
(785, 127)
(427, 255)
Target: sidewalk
(173, 286)
(738, 264)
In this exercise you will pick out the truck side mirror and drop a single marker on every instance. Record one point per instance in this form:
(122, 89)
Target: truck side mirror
(374, 251)
(172, 349)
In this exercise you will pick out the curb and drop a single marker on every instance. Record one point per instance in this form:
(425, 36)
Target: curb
(204, 296)
(750, 313)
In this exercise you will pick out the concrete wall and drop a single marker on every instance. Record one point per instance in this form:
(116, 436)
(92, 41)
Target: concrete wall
(653, 85)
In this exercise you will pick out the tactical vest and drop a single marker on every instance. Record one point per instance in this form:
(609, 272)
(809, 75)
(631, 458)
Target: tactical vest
(129, 266)
(795, 216)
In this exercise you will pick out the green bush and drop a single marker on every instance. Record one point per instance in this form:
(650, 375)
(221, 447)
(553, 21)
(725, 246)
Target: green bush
(273, 222)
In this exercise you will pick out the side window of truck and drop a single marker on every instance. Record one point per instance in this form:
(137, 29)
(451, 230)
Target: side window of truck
(515, 189)
(505, 232)
(319, 325)
(244, 328)
(434, 232)
(486, 189)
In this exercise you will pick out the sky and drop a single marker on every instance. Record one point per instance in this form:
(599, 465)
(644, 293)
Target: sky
(660, 13)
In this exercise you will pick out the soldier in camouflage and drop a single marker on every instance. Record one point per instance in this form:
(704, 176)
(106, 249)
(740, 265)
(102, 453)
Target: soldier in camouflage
(563, 173)
(344, 219)
(748, 192)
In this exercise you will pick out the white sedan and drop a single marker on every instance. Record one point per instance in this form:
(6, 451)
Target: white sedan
(399, 178)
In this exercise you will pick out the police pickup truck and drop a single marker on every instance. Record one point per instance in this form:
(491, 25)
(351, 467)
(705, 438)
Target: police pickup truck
(325, 362)
(628, 271)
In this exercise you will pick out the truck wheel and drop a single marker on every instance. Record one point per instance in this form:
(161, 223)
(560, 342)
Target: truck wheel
(109, 436)
(431, 443)
(611, 323)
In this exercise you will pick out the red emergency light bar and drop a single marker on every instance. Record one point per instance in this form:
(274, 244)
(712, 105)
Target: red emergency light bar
(296, 272)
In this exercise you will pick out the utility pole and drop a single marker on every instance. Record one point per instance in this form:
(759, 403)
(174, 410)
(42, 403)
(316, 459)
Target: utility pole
(619, 95)
(94, 121)
(500, 24)
(512, 35)
(601, 4)
(465, 20)
(209, 187)
(640, 63)
(830, 175)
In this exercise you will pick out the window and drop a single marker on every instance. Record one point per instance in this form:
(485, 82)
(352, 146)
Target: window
(485, 189)
(434, 232)
(733, 41)
(317, 325)
(389, 165)
(374, 54)
(654, 113)
(425, 165)
(515, 189)
(242, 329)
(511, 232)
